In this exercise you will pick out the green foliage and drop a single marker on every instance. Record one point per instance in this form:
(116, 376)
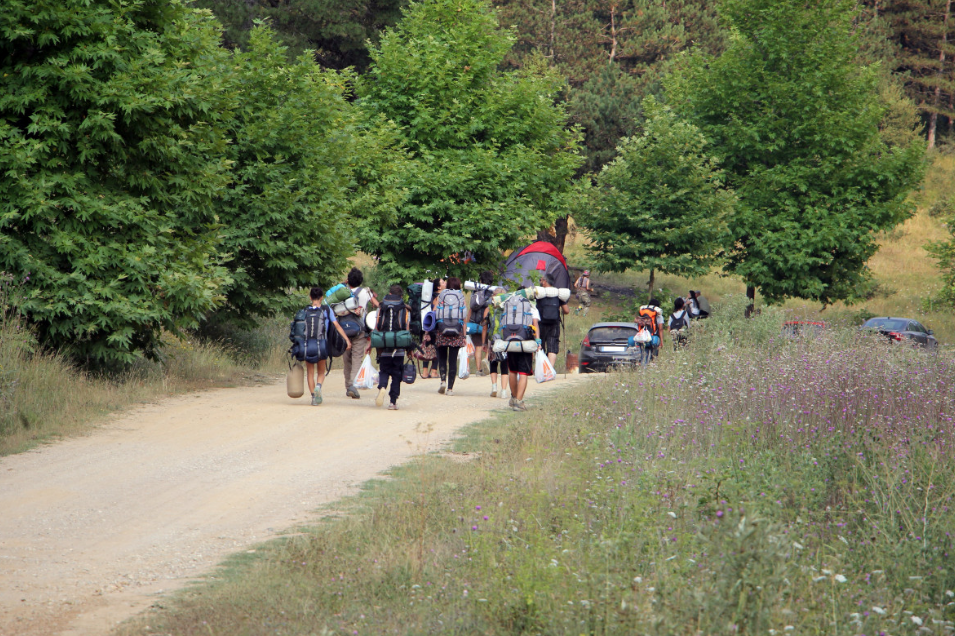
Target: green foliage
(795, 119)
(660, 204)
(944, 253)
(335, 31)
(492, 159)
(297, 143)
(111, 149)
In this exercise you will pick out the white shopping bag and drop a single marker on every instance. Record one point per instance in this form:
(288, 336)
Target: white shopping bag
(543, 369)
(470, 347)
(367, 377)
(464, 365)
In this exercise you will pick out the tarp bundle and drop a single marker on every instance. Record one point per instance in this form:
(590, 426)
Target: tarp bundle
(533, 262)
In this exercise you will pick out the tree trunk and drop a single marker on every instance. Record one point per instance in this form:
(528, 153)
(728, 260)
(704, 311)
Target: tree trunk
(613, 33)
(933, 118)
(650, 286)
(553, 30)
(751, 307)
(559, 237)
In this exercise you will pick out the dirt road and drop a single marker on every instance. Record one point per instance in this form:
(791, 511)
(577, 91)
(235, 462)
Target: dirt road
(93, 530)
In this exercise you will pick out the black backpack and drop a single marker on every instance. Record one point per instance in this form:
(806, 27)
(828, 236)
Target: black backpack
(549, 309)
(679, 323)
(391, 316)
(480, 298)
(414, 301)
(313, 322)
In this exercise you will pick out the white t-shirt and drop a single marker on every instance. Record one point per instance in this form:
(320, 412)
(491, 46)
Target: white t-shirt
(363, 295)
(536, 315)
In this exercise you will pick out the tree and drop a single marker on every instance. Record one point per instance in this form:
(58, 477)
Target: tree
(297, 145)
(660, 205)
(924, 32)
(795, 120)
(111, 149)
(492, 156)
(944, 253)
(335, 31)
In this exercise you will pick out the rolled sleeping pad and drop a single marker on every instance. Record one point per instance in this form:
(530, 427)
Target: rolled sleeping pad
(337, 294)
(371, 319)
(552, 292)
(350, 304)
(474, 328)
(427, 291)
(295, 381)
(470, 285)
(429, 322)
(514, 346)
(564, 294)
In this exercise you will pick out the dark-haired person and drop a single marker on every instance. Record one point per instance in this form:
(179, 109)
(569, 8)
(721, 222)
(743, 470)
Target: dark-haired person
(519, 367)
(361, 344)
(679, 324)
(449, 346)
(551, 310)
(315, 372)
(477, 313)
(391, 361)
(429, 361)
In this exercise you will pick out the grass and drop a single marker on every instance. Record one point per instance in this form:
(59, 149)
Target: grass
(753, 485)
(43, 396)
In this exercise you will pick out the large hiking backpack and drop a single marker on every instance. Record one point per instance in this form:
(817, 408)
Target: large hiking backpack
(647, 316)
(307, 334)
(517, 319)
(549, 309)
(480, 298)
(414, 301)
(681, 323)
(391, 329)
(450, 313)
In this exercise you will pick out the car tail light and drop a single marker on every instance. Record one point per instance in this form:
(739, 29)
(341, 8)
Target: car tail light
(587, 340)
(895, 335)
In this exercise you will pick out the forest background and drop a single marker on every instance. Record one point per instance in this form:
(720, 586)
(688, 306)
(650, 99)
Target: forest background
(166, 170)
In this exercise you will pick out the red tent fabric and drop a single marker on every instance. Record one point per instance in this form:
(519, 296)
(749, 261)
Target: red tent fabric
(546, 248)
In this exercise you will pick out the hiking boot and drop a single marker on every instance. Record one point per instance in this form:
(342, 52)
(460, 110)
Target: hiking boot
(449, 393)
(486, 365)
(443, 388)
(519, 405)
(352, 392)
(380, 399)
(505, 392)
(392, 407)
(317, 397)
(511, 402)
(493, 391)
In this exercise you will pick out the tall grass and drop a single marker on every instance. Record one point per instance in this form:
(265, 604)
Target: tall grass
(44, 396)
(751, 484)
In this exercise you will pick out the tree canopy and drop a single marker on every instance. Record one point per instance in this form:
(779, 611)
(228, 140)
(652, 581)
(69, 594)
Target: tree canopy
(492, 156)
(660, 204)
(795, 119)
(112, 147)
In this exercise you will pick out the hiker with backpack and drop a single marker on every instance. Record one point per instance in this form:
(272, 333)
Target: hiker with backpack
(652, 316)
(520, 326)
(497, 361)
(353, 324)
(450, 328)
(428, 351)
(679, 324)
(478, 310)
(393, 319)
(583, 287)
(551, 310)
(312, 323)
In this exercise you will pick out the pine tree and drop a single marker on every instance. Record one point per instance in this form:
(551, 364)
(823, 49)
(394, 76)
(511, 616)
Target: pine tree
(924, 31)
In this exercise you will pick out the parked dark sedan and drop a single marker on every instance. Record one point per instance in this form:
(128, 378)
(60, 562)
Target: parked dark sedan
(899, 329)
(605, 346)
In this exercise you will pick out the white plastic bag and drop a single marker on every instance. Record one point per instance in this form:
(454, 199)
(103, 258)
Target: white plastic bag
(367, 377)
(470, 347)
(543, 369)
(464, 365)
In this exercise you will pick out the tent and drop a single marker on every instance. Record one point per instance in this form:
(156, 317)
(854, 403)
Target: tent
(532, 262)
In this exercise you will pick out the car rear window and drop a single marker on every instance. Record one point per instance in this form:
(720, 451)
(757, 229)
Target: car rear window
(889, 324)
(611, 334)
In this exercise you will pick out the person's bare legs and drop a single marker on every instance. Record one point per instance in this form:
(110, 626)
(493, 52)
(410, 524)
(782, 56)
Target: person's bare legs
(315, 373)
(521, 387)
(553, 360)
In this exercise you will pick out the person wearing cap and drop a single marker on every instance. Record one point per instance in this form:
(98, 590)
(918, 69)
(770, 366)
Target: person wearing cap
(582, 285)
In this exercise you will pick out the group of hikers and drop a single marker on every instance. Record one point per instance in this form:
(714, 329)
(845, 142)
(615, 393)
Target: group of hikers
(430, 323)
(650, 324)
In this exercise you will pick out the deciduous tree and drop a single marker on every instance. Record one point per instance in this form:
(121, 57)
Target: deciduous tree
(795, 120)
(112, 147)
(660, 204)
(493, 157)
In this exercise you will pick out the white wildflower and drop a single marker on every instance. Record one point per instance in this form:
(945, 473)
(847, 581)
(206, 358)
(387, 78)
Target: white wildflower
(827, 572)
(878, 610)
(917, 620)
(840, 578)
(798, 545)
